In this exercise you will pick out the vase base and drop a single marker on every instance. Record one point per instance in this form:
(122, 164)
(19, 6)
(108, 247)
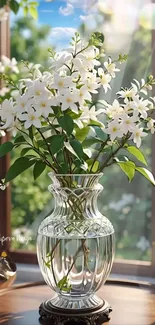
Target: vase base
(60, 316)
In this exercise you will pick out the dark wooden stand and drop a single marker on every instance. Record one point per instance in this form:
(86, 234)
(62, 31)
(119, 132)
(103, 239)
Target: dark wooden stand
(60, 316)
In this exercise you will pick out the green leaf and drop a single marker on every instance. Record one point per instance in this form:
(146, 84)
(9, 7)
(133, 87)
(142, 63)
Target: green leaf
(57, 143)
(95, 123)
(24, 151)
(34, 3)
(90, 142)
(77, 146)
(19, 139)
(39, 167)
(63, 284)
(5, 148)
(66, 123)
(100, 134)
(70, 149)
(95, 165)
(3, 3)
(128, 168)
(33, 12)
(14, 6)
(63, 168)
(19, 166)
(137, 153)
(25, 11)
(146, 173)
(81, 134)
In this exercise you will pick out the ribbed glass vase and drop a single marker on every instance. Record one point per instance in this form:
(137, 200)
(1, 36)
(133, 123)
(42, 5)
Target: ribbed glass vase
(75, 244)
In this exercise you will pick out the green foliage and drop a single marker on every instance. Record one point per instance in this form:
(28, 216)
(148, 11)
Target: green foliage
(67, 124)
(128, 168)
(147, 174)
(77, 147)
(5, 148)
(14, 6)
(39, 167)
(57, 143)
(137, 153)
(63, 284)
(18, 167)
(33, 47)
(81, 134)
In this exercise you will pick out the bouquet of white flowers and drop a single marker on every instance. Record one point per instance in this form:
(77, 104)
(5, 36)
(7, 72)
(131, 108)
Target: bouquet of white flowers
(58, 122)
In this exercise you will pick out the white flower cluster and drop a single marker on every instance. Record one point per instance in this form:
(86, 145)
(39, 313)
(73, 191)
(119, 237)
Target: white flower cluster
(7, 66)
(75, 79)
(131, 116)
(77, 74)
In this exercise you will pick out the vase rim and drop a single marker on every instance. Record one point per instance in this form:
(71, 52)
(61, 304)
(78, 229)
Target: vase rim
(60, 175)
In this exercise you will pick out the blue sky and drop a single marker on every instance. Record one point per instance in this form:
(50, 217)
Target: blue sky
(64, 17)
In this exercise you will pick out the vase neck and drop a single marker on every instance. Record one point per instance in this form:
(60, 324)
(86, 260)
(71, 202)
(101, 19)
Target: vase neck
(76, 196)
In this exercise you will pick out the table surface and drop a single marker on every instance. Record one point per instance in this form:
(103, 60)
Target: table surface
(132, 305)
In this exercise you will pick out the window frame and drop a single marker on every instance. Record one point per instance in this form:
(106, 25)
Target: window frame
(120, 266)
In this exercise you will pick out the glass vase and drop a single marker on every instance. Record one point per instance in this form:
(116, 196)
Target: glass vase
(75, 244)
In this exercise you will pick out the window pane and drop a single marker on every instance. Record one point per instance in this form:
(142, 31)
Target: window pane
(127, 28)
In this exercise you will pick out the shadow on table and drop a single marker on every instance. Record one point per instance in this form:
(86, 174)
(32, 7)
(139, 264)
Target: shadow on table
(32, 318)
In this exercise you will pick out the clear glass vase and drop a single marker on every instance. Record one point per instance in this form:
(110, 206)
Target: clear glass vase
(75, 244)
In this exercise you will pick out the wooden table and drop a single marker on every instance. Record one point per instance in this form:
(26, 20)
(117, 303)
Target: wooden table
(132, 305)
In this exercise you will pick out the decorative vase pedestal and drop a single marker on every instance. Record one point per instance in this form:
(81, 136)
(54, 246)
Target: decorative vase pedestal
(59, 316)
(75, 248)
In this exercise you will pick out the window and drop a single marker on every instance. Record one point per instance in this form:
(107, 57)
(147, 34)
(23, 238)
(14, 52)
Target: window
(130, 207)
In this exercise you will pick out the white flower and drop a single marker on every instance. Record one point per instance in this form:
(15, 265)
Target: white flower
(80, 67)
(3, 14)
(44, 105)
(13, 65)
(151, 125)
(4, 91)
(22, 102)
(2, 68)
(128, 122)
(68, 100)
(61, 59)
(88, 57)
(92, 83)
(5, 61)
(127, 93)
(114, 130)
(38, 89)
(7, 113)
(111, 68)
(90, 114)
(137, 134)
(140, 105)
(31, 118)
(114, 110)
(14, 127)
(105, 78)
(61, 82)
(82, 95)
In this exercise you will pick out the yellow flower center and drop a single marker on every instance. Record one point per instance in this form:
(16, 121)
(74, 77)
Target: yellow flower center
(137, 134)
(43, 105)
(68, 100)
(32, 117)
(114, 129)
(22, 104)
(61, 83)
(38, 92)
